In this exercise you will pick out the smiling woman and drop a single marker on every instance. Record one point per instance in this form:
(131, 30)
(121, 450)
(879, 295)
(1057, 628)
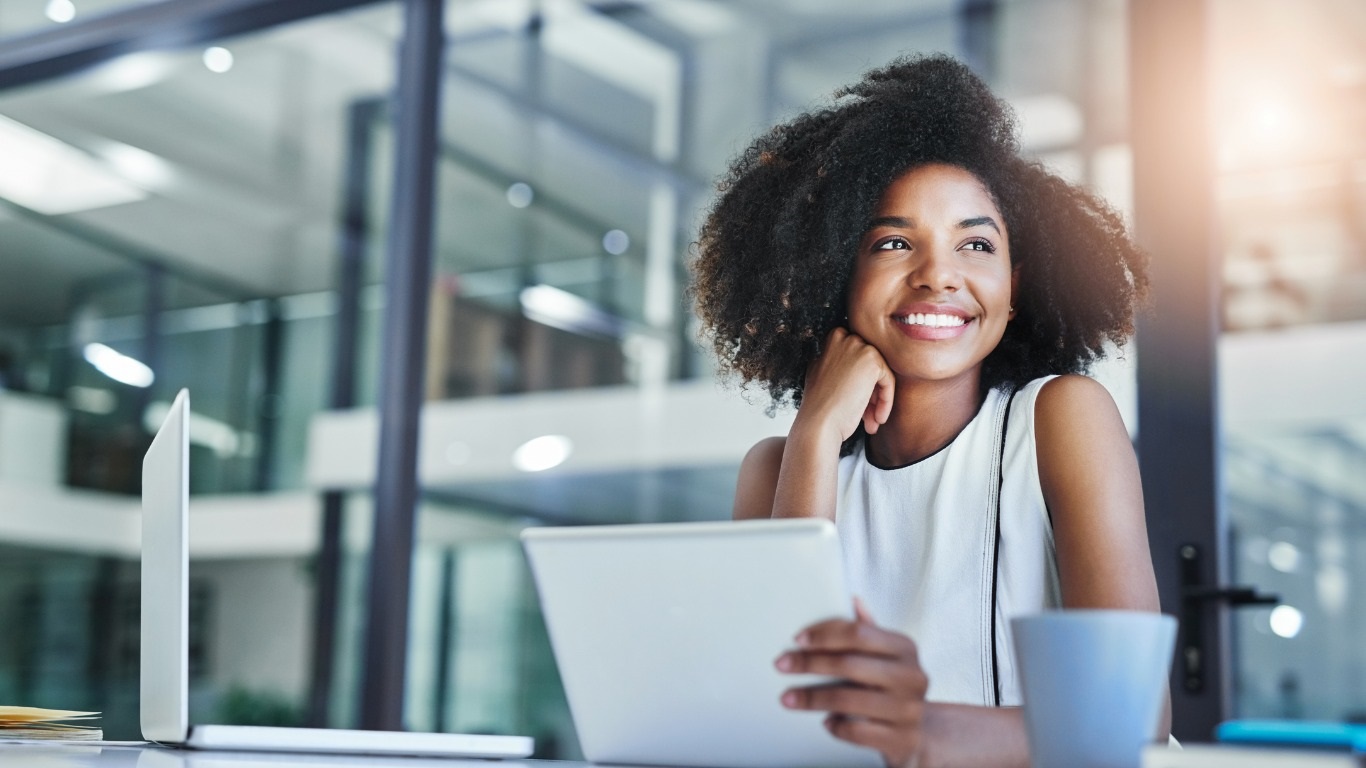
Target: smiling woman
(927, 298)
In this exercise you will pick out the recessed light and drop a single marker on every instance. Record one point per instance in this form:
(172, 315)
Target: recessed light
(520, 195)
(218, 59)
(118, 366)
(60, 11)
(616, 242)
(542, 453)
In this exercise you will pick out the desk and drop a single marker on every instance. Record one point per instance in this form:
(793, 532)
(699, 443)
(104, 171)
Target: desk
(75, 755)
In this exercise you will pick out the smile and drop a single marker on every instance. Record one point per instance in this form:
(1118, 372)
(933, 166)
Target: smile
(932, 320)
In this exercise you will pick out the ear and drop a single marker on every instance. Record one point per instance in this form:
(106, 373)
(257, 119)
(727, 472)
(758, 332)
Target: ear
(1014, 288)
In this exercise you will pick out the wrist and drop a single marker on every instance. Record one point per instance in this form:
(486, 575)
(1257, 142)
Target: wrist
(811, 431)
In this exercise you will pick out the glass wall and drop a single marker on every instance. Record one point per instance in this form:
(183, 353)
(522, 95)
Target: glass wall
(1292, 202)
(169, 220)
(578, 151)
(579, 154)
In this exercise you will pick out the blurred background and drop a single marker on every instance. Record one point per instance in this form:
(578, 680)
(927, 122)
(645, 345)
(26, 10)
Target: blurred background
(178, 217)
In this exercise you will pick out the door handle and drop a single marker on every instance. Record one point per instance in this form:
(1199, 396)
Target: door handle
(1195, 597)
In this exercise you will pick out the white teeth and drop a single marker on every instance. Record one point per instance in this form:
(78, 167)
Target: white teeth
(932, 321)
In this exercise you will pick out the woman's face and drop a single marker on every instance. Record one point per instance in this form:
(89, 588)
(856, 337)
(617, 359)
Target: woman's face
(932, 286)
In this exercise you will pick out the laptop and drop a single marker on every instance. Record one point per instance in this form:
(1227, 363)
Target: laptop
(665, 636)
(165, 635)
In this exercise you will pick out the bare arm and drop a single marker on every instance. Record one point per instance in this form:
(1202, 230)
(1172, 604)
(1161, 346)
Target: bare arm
(963, 735)
(796, 477)
(1091, 484)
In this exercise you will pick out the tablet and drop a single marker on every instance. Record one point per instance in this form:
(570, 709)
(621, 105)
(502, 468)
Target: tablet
(665, 636)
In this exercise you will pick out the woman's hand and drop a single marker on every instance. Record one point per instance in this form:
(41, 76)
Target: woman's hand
(880, 703)
(848, 383)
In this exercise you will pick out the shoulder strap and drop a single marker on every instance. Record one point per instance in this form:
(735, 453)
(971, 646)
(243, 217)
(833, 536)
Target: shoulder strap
(998, 483)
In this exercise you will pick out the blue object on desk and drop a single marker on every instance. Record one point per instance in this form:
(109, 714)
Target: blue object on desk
(1300, 733)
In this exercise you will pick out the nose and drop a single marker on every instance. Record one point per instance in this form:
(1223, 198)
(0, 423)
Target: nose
(936, 270)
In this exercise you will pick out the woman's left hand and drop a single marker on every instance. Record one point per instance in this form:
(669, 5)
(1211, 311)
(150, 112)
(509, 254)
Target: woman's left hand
(880, 701)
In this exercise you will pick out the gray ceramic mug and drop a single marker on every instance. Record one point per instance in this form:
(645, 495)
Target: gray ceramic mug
(1094, 682)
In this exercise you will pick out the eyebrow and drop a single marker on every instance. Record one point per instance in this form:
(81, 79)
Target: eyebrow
(979, 221)
(902, 222)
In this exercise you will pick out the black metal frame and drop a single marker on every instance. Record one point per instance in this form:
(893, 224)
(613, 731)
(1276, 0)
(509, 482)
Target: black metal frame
(1176, 223)
(355, 227)
(407, 296)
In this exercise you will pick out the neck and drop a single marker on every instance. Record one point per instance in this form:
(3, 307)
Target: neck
(926, 416)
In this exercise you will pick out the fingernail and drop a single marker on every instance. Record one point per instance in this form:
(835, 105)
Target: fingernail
(789, 699)
(784, 663)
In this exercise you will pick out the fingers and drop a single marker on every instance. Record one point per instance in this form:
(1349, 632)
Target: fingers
(878, 697)
(852, 701)
(888, 723)
(861, 612)
(844, 636)
(885, 391)
(869, 672)
(897, 744)
(870, 422)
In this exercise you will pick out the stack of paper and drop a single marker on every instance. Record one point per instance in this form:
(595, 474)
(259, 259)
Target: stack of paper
(51, 724)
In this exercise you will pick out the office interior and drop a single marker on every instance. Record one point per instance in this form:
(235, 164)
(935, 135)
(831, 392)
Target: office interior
(217, 214)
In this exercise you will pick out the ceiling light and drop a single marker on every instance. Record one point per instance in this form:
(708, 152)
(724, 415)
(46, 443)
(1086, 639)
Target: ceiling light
(52, 177)
(616, 242)
(520, 195)
(132, 71)
(218, 59)
(561, 309)
(542, 453)
(60, 11)
(118, 366)
(1283, 556)
(138, 165)
(1286, 621)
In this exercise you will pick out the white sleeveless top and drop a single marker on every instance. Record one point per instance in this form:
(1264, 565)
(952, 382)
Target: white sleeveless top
(920, 548)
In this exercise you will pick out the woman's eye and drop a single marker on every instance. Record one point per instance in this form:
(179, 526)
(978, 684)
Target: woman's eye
(895, 244)
(981, 245)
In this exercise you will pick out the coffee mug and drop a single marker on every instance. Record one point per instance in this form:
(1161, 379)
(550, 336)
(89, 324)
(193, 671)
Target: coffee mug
(1094, 682)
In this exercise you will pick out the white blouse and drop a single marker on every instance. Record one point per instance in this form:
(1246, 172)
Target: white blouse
(920, 548)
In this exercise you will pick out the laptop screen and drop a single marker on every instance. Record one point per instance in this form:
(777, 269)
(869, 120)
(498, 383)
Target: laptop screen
(165, 578)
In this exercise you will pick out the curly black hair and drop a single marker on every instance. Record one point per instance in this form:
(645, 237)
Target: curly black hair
(776, 252)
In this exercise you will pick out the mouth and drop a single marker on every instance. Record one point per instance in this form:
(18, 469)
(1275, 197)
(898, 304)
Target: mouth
(931, 320)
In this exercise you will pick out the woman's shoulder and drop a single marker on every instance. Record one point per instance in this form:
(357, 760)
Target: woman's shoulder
(768, 452)
(1076, 409)
(1070, 394)
(755, 487)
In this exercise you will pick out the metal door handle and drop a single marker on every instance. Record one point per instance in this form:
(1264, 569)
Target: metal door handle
(1194, 599)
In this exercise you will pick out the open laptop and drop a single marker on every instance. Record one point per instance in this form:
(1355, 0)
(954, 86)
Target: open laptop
(665, 636)
(165, 635)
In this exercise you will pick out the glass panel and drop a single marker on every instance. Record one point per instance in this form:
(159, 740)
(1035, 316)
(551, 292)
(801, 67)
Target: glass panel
(580, 151)
(578, 154)
(176, 227)
(1290, 200)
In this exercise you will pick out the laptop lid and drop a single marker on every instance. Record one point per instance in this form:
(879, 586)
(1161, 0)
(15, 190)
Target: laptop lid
(665, 637)
(164, 675)
(164, 671)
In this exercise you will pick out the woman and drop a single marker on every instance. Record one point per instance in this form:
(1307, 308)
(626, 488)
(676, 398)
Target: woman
(928, 299)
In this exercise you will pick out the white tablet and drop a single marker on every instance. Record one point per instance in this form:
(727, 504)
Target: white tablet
(665, 636)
